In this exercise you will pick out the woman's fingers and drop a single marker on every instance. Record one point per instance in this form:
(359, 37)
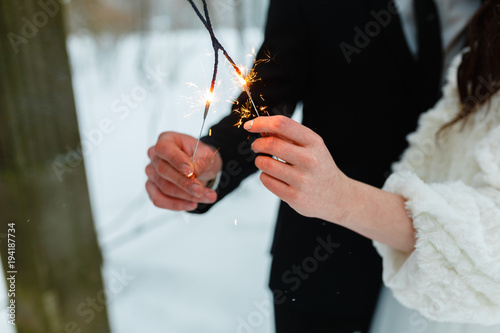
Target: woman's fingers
(283, 127)
(283, 191)
(277, 169)
(278, 147)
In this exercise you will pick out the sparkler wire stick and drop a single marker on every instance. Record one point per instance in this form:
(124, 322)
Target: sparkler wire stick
(216, 46)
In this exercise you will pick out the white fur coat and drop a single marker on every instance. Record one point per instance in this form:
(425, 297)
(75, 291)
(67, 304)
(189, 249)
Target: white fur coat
(452, 187)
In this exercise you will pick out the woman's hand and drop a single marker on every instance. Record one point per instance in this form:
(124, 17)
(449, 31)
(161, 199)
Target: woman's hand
(310, 181)
(312, 184)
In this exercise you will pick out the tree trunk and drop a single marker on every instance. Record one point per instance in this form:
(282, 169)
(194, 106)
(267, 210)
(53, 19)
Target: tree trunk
(56, 281)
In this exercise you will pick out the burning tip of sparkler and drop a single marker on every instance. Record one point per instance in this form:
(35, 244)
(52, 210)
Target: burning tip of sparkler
(209, 96)
(235, 221)
(242, 81)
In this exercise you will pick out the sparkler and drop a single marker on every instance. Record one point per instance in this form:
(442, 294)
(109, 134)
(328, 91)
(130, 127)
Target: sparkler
(217, 46)
(210, 98)
(244, 83)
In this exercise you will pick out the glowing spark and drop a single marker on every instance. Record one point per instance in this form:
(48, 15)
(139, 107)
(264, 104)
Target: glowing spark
(245, 113)
(250, 78)
(246, 82)
(235, 221)
(242, 81)
(251, 99)
(210, 97)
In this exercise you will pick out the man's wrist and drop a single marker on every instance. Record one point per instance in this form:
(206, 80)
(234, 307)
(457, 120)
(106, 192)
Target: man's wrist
(214, 182)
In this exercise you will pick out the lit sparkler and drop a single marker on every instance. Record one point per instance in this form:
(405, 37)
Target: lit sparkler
(209, 99)
(244, 84)
(217, 46)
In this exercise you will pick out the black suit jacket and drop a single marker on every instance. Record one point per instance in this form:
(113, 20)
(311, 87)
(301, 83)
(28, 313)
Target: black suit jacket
(349, 64)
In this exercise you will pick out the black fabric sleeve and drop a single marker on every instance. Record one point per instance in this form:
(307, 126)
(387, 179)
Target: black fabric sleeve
(278, 88)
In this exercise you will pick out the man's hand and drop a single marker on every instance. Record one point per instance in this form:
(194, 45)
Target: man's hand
(174, 181)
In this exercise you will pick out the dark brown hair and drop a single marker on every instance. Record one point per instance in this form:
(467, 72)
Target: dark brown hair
(478, 75)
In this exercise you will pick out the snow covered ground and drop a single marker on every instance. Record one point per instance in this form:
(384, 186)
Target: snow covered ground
(180, 273)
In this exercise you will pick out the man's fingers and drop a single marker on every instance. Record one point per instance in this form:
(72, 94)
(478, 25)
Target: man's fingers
(171, 190)
(173, 178)
(161, 200)
(283, 127)
(170, 151)
(189, 184)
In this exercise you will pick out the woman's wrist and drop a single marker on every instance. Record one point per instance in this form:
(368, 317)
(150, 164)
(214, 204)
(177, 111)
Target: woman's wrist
(340, 208)
(373, 213)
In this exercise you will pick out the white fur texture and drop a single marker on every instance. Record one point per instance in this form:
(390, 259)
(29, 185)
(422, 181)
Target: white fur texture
(452, 187)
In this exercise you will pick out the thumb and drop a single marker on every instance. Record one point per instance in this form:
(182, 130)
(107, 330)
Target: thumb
(171, 151)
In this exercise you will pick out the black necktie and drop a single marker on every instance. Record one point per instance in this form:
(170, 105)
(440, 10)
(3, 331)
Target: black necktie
(430, 50)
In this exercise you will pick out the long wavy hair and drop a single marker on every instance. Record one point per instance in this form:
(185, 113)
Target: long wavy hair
(478, 75)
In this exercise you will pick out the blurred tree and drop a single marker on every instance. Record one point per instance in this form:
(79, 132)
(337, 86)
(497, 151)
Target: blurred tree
(43, 188)
(126, 16)
(239, 18)
(98, 16)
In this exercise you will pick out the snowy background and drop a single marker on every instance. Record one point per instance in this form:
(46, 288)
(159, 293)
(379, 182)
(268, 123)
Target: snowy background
(180, 273)
(187, 273)
(165, 271)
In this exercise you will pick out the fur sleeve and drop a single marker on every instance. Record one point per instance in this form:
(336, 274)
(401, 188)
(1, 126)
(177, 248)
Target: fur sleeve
(454, 272)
